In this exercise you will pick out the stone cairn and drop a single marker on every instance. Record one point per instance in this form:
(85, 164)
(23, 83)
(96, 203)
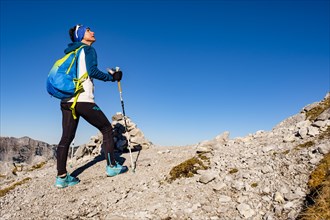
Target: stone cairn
(135, 136)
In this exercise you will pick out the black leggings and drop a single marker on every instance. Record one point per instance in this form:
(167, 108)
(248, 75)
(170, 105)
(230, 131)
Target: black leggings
(93, 115)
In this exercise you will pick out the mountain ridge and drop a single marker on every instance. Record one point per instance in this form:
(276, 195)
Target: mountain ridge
(263, 175)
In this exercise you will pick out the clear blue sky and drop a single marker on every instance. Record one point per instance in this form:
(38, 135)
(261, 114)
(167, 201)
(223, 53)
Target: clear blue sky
(192, 69)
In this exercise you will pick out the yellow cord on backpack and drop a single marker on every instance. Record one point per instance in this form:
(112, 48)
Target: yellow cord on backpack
(79, 89)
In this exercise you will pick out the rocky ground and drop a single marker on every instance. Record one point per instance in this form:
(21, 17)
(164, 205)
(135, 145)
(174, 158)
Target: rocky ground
(261, 176)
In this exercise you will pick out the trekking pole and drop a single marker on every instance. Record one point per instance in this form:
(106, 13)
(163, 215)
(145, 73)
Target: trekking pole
(127, 136)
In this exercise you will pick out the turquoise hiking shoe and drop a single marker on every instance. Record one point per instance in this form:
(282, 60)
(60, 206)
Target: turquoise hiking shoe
(67, 181)
(116, 169)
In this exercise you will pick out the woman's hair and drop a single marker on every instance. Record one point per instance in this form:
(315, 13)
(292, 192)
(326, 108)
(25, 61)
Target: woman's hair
(71, 32)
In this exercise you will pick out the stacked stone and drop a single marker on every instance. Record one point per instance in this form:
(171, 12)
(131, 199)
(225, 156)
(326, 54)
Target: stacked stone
(121, 137)
(92, 148)
(134, 135)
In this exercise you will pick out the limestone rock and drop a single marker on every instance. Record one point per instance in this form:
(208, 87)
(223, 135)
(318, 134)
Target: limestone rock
(224, 199)
(207, 177)
(325, 115)
(245, 210)
(222, 138)
(278, 197)
(324, 148)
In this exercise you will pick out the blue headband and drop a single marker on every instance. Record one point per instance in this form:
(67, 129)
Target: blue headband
(79, 33)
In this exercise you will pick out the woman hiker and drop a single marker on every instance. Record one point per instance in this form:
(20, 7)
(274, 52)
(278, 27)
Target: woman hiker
(85, 108)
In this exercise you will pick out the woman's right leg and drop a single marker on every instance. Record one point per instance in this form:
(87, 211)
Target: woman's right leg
(94, 115)
(69, 127)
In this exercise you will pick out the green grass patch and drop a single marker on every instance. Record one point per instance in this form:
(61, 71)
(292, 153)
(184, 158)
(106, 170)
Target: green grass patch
(304, 145)
(317, 203)
(254, 185)
(37, 166)
(4, 191)
(286, 152)
(189, 167)
(234, 170)
(321, 173)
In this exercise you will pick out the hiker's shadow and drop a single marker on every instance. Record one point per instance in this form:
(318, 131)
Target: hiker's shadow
(96, 159)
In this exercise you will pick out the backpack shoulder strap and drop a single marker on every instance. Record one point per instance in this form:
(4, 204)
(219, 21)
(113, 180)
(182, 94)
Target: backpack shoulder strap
(79, 86)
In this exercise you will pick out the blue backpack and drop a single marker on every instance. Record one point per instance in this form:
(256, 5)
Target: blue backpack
(62, 81)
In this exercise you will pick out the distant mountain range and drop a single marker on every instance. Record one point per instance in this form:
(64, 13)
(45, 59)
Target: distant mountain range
(24, 149)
